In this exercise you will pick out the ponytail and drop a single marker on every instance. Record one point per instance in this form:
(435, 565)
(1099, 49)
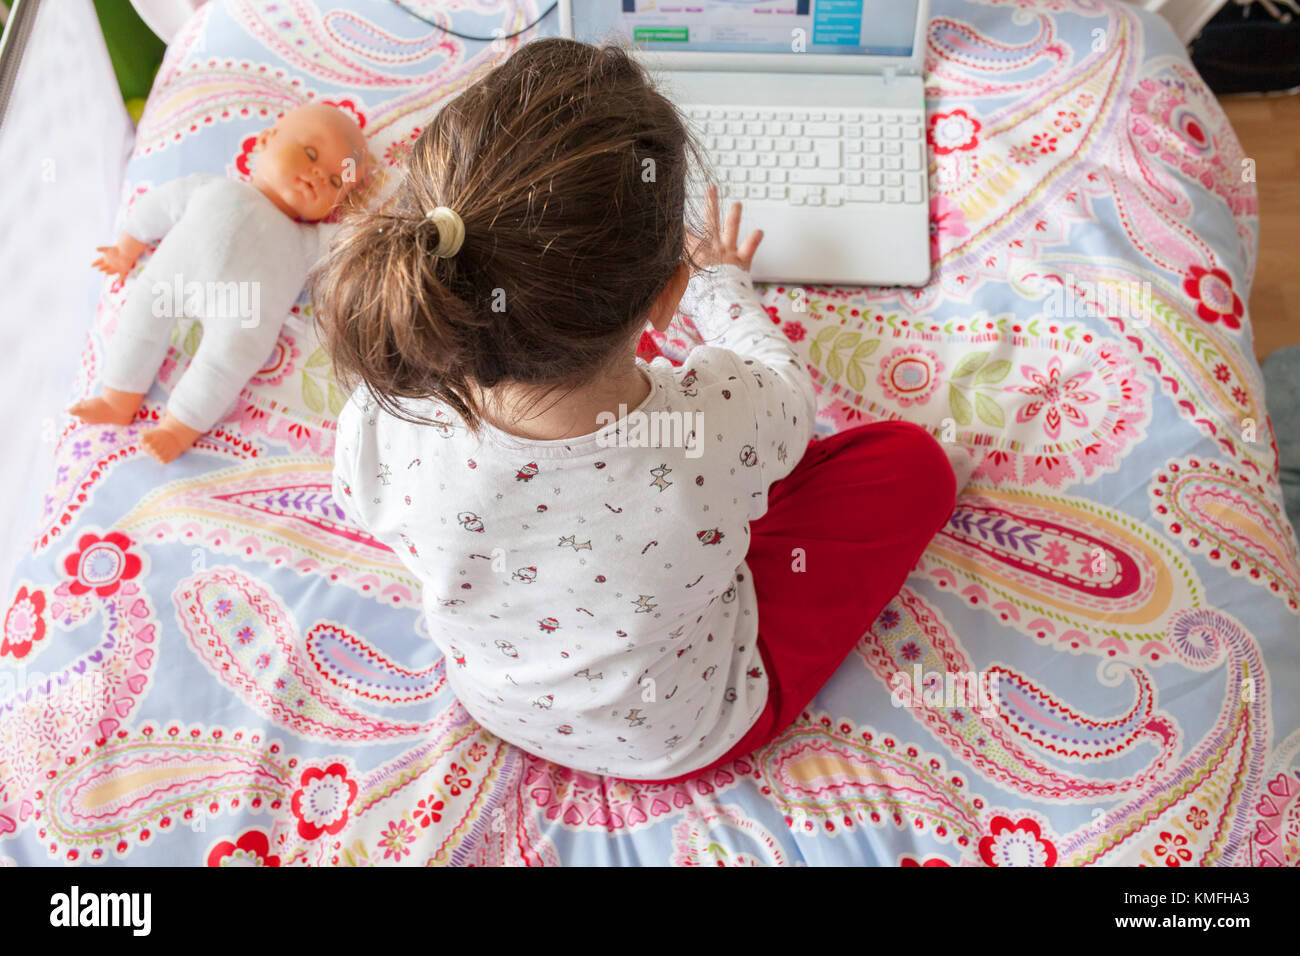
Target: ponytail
(389, 318)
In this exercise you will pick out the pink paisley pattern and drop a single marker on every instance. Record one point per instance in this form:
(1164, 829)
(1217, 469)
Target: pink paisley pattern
(1007, 748)
(246, 637)
(1276, 840)
(1221, 513)
(88, 699)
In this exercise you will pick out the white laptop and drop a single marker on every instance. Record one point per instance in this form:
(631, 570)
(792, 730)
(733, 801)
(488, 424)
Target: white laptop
(813, 115)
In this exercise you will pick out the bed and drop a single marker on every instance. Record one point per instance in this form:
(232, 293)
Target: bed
(205, 664)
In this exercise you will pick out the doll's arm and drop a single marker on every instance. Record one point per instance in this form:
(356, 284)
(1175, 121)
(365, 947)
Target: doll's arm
(152, 215)
(150, 218)
(119, 259)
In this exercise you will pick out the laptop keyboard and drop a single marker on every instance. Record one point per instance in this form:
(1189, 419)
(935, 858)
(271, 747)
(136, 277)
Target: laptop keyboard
(814, 157)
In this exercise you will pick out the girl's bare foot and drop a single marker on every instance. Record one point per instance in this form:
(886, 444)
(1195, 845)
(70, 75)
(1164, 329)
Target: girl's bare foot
(110, 407)
(169, 439)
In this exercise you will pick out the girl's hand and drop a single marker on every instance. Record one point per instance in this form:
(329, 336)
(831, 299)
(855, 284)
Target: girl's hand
(720, 248)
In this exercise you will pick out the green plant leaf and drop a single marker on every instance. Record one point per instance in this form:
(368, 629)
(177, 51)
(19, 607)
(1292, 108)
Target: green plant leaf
(847, 340)
(989, 411)
(993, 372)
(960, 405)
(969, 364)
(312, 394)
(318, 358)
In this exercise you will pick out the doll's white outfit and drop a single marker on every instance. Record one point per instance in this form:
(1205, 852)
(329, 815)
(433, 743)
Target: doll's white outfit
(228, 258)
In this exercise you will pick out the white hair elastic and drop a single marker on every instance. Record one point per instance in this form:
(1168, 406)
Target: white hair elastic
(451, 231)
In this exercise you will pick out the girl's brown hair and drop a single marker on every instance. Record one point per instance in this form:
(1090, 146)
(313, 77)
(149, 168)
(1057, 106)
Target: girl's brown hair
(569, 171)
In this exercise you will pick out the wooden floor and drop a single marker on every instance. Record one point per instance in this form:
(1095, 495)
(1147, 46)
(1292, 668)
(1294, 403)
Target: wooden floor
(1269, 130)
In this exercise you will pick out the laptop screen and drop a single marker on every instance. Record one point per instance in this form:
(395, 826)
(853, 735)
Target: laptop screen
(867, 27)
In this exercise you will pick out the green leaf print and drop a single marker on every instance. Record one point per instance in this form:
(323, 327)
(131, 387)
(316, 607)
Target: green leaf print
(969, 364)
(312, 394)
(337, 400)
(993, 372)
(193, 336)
(989, 411)
(960, 405)
(864, 350)
(834, 365)
(822, 340)
(857, 378)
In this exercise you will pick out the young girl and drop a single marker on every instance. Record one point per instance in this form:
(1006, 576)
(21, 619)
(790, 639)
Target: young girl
(633, 569)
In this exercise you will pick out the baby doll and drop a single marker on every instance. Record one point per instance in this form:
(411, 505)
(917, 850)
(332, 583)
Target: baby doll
(241, 252)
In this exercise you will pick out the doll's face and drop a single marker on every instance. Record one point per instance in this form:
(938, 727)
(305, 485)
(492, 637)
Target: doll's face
(309, 160)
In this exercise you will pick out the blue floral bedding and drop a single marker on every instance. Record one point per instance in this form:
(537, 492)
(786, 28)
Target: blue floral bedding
(204, 663)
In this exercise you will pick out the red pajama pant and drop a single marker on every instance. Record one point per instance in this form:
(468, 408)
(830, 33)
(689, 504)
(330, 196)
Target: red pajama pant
(862, 505)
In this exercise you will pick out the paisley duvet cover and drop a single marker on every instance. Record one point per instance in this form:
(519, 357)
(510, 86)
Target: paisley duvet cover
(205, 664)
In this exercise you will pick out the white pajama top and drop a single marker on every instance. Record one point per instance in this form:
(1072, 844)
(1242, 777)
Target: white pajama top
(591, 594)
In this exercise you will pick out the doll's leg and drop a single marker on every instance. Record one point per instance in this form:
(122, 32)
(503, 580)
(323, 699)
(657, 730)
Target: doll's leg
(132, 356)
(227, 357)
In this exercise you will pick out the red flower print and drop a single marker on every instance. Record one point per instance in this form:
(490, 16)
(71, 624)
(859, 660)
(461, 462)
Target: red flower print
(349, 107)
(243, 159)
(1044, 142)
(1060, 400)
(928, 861)
(457, 779)
(1221, 372)
(428, 811)
(101, 564)
(1198, 818)
(950, 132)
(1173, 847)
(1024, 155)
(1239, 396)
(794, 331)
(1211, 290)
(1016, 844)
(1056, 553)
(1067, 121)
(24, 623)
(322, 800)
(396, 839)
(251, 849)
(774, 313)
